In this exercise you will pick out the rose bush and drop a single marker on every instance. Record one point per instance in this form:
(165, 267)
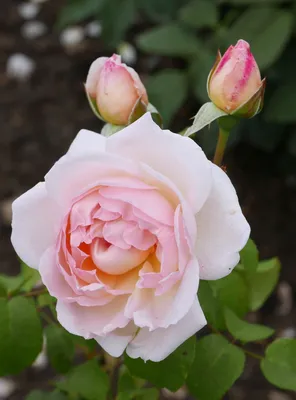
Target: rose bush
(122, 230)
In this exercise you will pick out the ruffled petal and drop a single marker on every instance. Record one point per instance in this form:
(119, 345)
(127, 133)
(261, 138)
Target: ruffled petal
(178, 158)
(36, 219)
(222, 230)
(159, 344)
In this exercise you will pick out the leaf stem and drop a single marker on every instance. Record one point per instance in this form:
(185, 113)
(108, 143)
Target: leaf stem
(35, 292)
(221, 146)
(251, 354)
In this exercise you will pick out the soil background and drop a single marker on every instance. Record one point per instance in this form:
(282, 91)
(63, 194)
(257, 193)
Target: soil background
(39, 119)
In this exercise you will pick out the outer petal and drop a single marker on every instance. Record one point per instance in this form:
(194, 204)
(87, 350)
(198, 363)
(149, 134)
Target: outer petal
(178, 158)
(51, 276)
(35, 222)
(115, 342)
(93, 75)
(222, 230)
(92, 321)
(87, 143)
(157, 345)
(168, 309)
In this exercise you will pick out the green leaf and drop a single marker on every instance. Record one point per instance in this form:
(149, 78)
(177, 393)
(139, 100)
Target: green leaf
(39, 395)
(139, 394)
(279, 364)
(281, 106)
(10, 283)
(246, 2)
(232, 292)
(263, 282)
(171, 372)
(167, 90)
(206, 114)
(30, 277)
(77, 10)
(157, 118)
(210, 305)
(199, 14)
(217, 365)
(109, 129)
(117, 17)
(249, 257)
(3, 289)
(20, 335)
(199, 71)
(87, 380)
(24, 281)
(60, 348)
(160, 10)
(44, 300)
(169, 40)
(267, 29)
(243, 330)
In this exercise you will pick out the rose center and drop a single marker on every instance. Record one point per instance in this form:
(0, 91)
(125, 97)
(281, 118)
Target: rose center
(104, 255)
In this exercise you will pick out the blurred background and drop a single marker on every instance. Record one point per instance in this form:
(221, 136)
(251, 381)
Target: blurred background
(46, 48)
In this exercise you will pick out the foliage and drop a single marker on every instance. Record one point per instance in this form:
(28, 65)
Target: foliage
(190, 31)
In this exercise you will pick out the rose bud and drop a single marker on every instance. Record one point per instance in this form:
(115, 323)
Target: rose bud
(234, 83)
(116, 91)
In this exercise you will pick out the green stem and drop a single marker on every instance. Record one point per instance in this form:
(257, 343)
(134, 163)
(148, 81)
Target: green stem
(221, 146)
(251, 354)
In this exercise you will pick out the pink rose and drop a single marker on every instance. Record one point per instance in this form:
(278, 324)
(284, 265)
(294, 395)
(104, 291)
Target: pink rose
(235, 81)
(115, 88)
(122, 230)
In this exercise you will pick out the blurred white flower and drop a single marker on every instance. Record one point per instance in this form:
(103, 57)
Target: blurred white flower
(72, 36)
(93, 29)
(128, 53)
(7, 386)
(20, 67)
(28, 10)
(33, 29)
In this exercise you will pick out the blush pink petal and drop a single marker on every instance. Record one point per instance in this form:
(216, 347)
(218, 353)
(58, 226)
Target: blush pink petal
(92, 321)
(115, 342)
(174, 156)
(114, 260)
(222, 229)
(92, 79)
(51, 276)
(116, 93)
(157, 345)
(149, 310)
(73, 176)
(32, 212)
(150, 202)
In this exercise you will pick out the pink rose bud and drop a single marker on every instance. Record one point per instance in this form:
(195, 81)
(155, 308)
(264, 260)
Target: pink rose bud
(234, 83)
(116, 90)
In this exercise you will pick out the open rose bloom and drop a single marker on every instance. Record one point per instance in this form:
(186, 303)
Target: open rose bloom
(122, 230)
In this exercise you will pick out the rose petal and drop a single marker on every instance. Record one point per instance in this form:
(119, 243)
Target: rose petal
(160, 311)
(87, 143)
(35, 222)
(115, 342)
(222, 229)
(92, 321)
(178, 158)
(159, 344)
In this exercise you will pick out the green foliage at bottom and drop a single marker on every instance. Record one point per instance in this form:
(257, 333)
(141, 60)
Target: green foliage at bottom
(279, 364)
(217, 365)
(171, 372)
